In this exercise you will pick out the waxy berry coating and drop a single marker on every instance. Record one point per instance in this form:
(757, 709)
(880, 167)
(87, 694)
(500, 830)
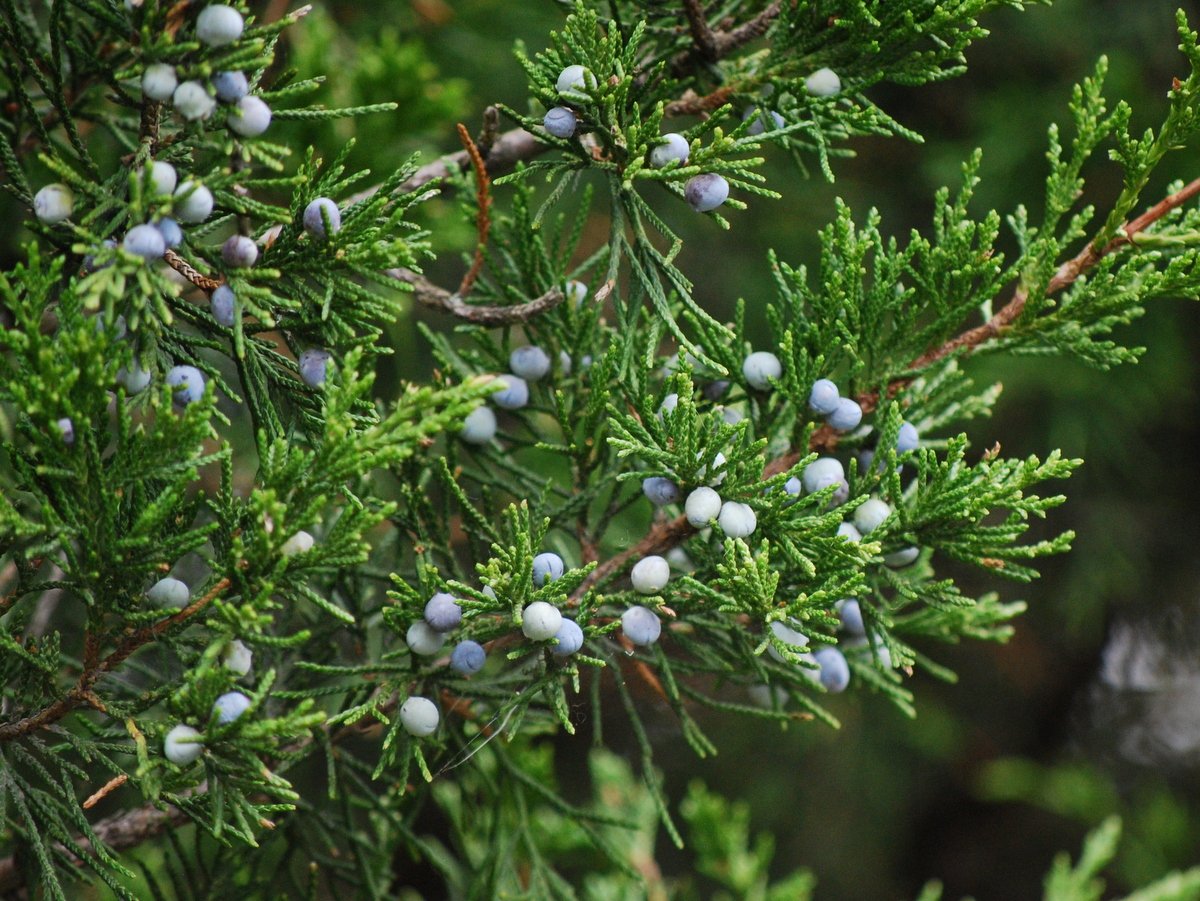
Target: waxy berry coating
(169, 593)
(145, 241)
(907, 438)
(239, 252)
(515, 393)
(171, 233)
(424, 640)
(299, 543)
(849, 532)
(824, 397)
(871, 514)
(180, 746)
(230, 706)
(660, 490)
(223, 306)
(850, 613)
(788, 636)
(419, 716)
(479, 427)
(737, 520)
(219, 25)
(133, 378)
(313, 364)
(250, 117)
(53, 204)
(546, 568)
(230, 86)
(705, 192)
(529, 362)
(834, 672)
(761, 120)
(468, 657)
(674, 148)
(568, 639)
(159, 81)
(541, 621)
(702, 506)
(760, 368)
(163, 177)
(792, 486)
(575, 78)
(66, 429)
(193, 202)
(188, 384)
(901, 558)
(823, 83)
(192, 101)
(443, 612)
(650, 574)
(641, 626)
(845, 416)
(317, 212)
(821, 473)
(560, 122)
(237, 658)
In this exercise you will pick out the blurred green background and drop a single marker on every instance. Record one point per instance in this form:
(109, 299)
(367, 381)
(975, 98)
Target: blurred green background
(1094, 707)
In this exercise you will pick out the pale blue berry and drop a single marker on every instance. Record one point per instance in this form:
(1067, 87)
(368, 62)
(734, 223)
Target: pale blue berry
(219, 25)
(230, 706)
(702, 506)
(576, 292)
(419, 716)
(145, 241)
(169, 593)
(787, 636)
(834, 671)
(515, 393)
(575, 78)
(847, 531)
(547, 567)
(824, 397)
(641, 626)
(761, 118)
(181, 745)
(163, 177)
(560, 122)
(187, 384)
(479, 427)
(846, 416)
(53, 204)
(237, 658)
(660, 490)
(192, 101)
(821, 473)
(250, 117)
(443, 612)
(239, 252)
(871, 514)
(193, 202)
(650, 574)
(230, 86)
(850, 613)
(568, 639)
(716, 390)
(424, 640)
(66, 430)
(529, 362)
(171, 233)
(316, 214)
(760, 368)
(674, 148)
(300, 543)
(706, 192)
(792, 486)
(159, 81)
(541, 621)
(907, 438)
(133, 378)
(902, 557)
(313, 364)
(223, 306)
(468, 657)
(737, 520)
(823, 83)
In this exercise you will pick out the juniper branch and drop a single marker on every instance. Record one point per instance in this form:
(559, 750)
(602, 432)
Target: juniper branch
(431, 295)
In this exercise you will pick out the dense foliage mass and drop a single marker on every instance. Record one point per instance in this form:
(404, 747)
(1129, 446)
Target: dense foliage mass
(231, 565)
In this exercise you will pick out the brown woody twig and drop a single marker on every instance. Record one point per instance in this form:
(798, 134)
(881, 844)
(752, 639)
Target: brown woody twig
(483, 199)
(430, 295)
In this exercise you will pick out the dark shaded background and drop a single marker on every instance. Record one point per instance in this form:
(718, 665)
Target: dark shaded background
(1094, 707)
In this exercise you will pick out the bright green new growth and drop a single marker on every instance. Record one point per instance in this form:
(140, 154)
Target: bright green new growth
(400, 509)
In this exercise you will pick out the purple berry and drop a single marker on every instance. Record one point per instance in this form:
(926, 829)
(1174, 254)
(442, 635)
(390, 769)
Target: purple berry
(223, 306)
(660, 490)
(704, 193)
(145, 241)
(230, 86)
(312, 364)
(171, 233)
(568, 639)
(560, 122)
(443, 612)
(239, 252)
(317, 212)
(468, 657)
(188, 384)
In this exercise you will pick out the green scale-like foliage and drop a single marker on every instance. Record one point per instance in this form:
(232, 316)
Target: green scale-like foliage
(313, 522)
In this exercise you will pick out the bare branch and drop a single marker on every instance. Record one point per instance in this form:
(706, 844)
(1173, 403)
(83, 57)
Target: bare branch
(430, 295)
